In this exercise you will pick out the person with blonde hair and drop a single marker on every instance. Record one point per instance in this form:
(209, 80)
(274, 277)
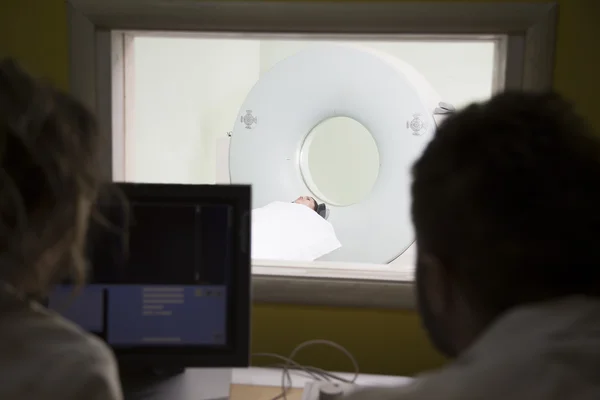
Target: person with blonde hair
(50, 177)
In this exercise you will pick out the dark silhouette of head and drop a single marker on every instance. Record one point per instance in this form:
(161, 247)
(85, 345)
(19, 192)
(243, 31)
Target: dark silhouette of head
(505, 208)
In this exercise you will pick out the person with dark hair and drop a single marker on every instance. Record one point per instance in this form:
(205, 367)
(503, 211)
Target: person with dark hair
(312, 203)
(505, 209)
(49, 180)
(307, 201)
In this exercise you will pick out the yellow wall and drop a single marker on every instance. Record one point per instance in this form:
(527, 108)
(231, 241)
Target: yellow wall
(389, 342)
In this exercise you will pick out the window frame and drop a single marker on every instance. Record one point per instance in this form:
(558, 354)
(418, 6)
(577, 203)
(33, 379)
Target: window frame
(98, 78)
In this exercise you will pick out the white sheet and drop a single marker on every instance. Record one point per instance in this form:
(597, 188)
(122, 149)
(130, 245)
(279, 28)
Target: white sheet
(290, 231)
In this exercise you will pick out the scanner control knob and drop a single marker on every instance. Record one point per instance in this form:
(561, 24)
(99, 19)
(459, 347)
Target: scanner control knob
(330, 391)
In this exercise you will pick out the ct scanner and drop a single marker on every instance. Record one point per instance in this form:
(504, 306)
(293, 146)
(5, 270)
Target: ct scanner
(386, 95)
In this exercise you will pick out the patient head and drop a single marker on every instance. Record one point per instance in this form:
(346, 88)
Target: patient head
(307, 201)
(505, 208)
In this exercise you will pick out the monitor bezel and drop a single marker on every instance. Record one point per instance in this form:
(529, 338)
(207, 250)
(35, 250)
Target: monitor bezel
(236, 353)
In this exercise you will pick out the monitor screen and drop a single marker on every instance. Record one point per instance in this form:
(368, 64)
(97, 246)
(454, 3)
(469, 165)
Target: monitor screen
(169, 275)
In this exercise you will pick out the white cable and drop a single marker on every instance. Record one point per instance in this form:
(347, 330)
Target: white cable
(314, 373)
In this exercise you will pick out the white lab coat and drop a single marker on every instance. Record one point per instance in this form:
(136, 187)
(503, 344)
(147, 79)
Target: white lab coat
(45, 357)
(548, 351)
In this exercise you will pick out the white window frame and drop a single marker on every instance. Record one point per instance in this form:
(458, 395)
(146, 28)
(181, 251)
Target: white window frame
(97, 77)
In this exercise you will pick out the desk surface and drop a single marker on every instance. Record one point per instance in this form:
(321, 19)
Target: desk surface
(250, 392)
(265, 383)
(272, 377)
(238, 384)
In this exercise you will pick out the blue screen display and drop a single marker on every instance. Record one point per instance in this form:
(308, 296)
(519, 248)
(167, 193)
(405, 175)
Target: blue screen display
(147, 315)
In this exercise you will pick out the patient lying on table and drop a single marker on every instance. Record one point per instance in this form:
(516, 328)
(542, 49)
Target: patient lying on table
(296, 231)
(313, 204)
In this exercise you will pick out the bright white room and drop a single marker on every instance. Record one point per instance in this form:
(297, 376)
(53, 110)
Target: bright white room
(185, 104)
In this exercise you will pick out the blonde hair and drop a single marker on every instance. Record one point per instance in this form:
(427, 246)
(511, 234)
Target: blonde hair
(50, 176)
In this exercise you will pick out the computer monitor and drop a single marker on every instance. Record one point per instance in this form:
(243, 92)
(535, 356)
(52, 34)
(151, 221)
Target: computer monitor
(170, 276)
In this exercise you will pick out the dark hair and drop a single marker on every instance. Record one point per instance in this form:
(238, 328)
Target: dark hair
(506, 197)
(316, 204)
(320, 209)
(49, 179)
